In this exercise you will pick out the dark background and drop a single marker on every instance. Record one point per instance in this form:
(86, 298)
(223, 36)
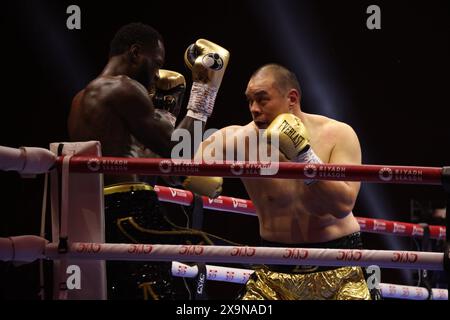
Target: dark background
(390, 85)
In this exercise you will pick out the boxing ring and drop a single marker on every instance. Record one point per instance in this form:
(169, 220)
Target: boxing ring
(65, 248)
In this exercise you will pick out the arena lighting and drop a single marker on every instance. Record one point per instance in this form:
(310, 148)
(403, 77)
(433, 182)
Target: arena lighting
(300, 45)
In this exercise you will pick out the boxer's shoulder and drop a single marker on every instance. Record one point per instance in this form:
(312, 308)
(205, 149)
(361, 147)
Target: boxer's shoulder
(115, 86)
(230, 131)
(317, 120)
(318, 124)
(117, 91)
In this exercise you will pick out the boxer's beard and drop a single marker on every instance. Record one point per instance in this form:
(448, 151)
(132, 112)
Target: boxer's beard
(143, 76)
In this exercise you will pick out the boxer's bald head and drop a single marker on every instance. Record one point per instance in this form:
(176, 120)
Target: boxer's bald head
(284, 80)
(271, 91)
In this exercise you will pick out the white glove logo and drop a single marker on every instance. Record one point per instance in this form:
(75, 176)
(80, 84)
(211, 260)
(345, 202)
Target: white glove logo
(213, 61)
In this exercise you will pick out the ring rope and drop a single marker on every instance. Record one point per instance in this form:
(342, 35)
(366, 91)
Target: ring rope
(256, 255)
(239, 169)
(243, 206)
(241, 276)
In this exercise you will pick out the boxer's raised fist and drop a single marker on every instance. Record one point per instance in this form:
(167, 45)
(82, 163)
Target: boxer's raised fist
(208, 62)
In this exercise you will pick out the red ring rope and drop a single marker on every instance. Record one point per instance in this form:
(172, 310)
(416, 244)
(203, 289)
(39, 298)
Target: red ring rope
(243, 206)
(286, 170)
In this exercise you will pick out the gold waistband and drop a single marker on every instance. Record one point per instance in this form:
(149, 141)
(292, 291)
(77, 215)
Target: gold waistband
(126, 187)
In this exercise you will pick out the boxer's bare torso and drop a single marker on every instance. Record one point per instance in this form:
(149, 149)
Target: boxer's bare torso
(290, 211)
(108, 110)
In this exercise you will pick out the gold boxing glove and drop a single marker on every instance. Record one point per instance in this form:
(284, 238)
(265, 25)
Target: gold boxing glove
(208, 62)
(167, 94)
(292, 135)
(204, 186)
(293, 139)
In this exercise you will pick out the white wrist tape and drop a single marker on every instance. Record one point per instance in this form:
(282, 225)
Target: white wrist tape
(308, 157)
(201, 101)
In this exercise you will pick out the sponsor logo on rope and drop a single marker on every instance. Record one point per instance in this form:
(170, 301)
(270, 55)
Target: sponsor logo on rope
(243, 251)
(310, 170)
(178, 193)
(442, 233)
(399, 228)
(392, 290)
(93, 164)
(239, 203)
(165, 166)
(408, 175)
(443, 294)
(88, 247)
(331, 171)
(140, 248)
(237, 169)
(405, 292)
(417, 231)
(212, 273)
(349, 255)
(295, 253)
(403, 257)
(191, 250)
(109, 165)
(379, 225)
(385, 174)
(229, 275)
(419, 293)
(218, 200)
(362, 222)
(182, 270)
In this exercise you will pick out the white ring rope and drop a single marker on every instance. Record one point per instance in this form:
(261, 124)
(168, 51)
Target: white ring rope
(389, 290)
(241, 276)
(234, 254)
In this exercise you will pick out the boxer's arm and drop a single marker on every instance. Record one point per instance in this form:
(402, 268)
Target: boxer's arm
(216, 146)
(337, 197)
(133, 105)
(208, 62)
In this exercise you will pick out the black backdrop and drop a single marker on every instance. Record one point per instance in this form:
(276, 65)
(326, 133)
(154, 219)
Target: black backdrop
(391, 85)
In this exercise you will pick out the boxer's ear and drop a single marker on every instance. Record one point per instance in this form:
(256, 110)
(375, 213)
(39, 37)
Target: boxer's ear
(134, 52)
(294, 97)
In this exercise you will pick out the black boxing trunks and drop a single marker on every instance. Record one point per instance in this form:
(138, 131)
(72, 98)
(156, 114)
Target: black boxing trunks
(280, 282)
(133, 214)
